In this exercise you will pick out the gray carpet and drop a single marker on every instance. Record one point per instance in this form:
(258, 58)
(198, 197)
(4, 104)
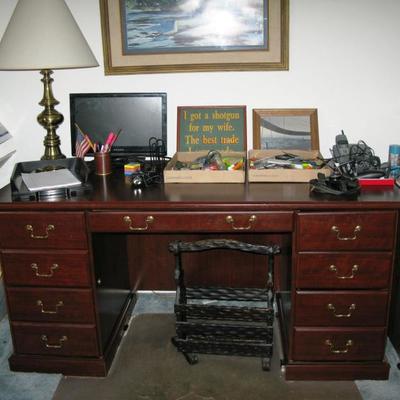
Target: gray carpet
(147, 367)
(21, 385)
(383, 390)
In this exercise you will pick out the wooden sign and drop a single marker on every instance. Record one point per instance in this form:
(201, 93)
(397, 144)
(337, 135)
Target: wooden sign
(212, 128)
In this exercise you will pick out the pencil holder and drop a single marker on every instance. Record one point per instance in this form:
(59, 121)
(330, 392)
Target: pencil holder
(102, 163)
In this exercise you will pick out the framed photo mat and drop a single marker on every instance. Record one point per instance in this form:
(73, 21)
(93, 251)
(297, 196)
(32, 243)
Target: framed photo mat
(275, 57)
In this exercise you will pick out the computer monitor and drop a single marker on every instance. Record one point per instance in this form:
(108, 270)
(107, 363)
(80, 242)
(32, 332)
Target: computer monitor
(138, 116)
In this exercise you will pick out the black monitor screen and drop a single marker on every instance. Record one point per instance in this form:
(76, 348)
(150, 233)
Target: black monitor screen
(138, 116)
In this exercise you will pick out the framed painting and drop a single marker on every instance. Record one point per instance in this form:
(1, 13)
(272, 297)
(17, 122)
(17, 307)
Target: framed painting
(285, 129)
(194, 35)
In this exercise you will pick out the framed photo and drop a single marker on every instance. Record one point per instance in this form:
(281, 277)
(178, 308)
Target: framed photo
(211, 128)
(285, 129)
(194, 35)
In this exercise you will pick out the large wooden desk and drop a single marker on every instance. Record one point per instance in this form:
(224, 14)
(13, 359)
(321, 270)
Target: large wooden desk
(71, 269)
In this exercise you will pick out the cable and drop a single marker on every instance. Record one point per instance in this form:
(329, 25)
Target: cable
(364, 158)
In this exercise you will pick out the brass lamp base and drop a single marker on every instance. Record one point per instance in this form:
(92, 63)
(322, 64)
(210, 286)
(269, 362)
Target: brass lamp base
(50, 119)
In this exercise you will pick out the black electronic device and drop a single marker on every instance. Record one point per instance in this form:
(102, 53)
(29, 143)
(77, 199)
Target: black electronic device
(355, 160)
(139, 116)
(336, 185)
(341, 149)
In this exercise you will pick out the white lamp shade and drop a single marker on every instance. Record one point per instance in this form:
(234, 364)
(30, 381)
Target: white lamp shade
(43, 34)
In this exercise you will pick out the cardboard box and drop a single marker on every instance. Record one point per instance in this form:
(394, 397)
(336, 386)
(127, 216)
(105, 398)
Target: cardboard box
(203, 176)
(283, 174)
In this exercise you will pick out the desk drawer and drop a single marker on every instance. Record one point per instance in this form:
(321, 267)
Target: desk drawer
(190, 222)
(50, 268)
(343, 270)
(55, 339)
(340, 344)
(374, 230)
(60, 305)
(341, 308)
(46, 230)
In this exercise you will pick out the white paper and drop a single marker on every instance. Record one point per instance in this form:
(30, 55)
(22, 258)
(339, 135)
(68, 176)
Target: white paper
(50, 179)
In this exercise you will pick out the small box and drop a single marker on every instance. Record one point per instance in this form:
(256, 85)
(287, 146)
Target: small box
(205, 128)
(131, 168)
(203, 176)
(284, 174)
(376, 182)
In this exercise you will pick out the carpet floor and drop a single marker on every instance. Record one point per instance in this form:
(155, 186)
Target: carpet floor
(21, 385)
(148, 367)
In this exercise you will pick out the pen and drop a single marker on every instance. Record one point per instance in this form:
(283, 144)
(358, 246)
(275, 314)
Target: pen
(108, 143)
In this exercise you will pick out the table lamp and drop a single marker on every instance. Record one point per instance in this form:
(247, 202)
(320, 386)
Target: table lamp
(43, 35)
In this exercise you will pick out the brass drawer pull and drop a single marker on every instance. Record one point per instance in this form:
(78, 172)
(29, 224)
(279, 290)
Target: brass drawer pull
(49, 228)
(230, 220)
(354, 269)
(334, 350)
(332, 308)
(55, 311)
(149, 220)
(35, 267)
(336, 230)
(54, 346)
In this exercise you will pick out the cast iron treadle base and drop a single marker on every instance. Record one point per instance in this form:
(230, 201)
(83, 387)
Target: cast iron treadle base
(238, 322)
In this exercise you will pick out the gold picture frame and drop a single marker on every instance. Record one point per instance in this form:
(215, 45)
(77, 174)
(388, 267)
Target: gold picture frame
(273, 56)
(295, 128)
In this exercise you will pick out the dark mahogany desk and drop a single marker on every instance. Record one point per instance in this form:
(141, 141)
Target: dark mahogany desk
(72, 267)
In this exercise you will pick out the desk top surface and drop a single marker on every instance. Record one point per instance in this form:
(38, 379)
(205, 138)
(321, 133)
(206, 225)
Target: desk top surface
(115, 192)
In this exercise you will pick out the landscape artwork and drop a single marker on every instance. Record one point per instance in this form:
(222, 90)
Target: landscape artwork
(285, 132)
(172, 26)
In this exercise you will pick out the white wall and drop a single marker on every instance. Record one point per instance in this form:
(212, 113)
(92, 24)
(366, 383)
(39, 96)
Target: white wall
(344, 61)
